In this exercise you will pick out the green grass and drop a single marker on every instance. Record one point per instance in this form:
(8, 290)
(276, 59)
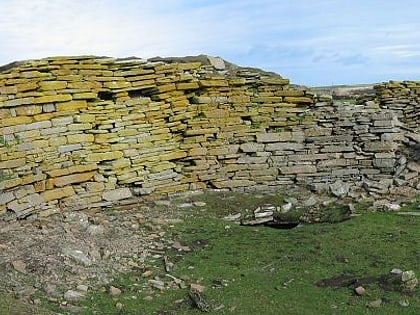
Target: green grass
(261, 270)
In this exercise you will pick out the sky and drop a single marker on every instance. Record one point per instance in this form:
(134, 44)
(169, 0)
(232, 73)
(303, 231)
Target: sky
(311, 42)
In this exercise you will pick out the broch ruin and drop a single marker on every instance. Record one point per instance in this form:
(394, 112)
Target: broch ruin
(82, 132)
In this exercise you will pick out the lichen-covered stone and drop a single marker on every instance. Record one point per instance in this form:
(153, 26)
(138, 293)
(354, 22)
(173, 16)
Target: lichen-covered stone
(86, 130)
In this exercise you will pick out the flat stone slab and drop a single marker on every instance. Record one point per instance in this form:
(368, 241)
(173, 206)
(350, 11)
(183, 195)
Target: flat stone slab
(117, 194)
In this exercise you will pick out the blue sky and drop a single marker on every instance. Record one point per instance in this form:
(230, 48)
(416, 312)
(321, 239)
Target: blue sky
(312, 42)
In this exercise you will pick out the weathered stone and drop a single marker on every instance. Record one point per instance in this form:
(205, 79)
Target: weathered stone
(58, 193)
(71, 106)
(74, 296)
(78, 255)
(53, 131)
(13, 121)
(274, 137)
(298, 100)
(284, 146)
(217, 62)
(6, 197)
(337, 148)
(379, 146)
(117, 194)
(252, 160)
(114, 291)
(80, 138)
(52, 85)
(413, 166)
(19, 265)
(104, 156)
(386, 163)
(62, 121)
(19, 101)
(74, 178)
(233, 183)
(69, 148)
(409, 280)
(38, 125)
(302, 169)
(172, 155)
(52, 99)
(252, 147)
(28, 110)
(339, 189)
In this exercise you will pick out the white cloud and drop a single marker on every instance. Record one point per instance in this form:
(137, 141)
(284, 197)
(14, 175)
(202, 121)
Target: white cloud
(301, 39)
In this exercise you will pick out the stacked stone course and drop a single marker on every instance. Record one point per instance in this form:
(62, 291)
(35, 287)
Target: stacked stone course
(89, 131)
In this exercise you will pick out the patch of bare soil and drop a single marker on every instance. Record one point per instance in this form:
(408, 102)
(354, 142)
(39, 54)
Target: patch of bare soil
(65, 256)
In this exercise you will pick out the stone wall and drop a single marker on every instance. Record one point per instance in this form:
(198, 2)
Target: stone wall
(87, 132)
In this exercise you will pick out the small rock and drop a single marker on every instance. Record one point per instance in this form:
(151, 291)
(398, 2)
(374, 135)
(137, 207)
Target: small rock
(114, 291)
(374, 304)
(147, 273)
(19, 265)
(310, 202)
(404, 303)
(82, 288)
(117, 194)
(217, 62)
(37, 301)
(79, 218)
(268, 207)
(257, 221)
(197, 287)
(185, 205)
(74, 296)
(264, 214)
(94, 229)
(392, 207)
(199, 204)
(78, 256)
(360, 290)
(157, 284)
(339, 189)
(181, 248)
(52, 291)
(409, 280)
(119, 306)
(133, 264)
(396, 271)
(286, 207)
(233, 217)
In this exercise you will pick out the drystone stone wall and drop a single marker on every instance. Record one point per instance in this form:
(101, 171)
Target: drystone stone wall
(83, 132)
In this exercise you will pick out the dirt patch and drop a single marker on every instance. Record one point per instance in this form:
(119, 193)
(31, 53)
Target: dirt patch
(79, 250)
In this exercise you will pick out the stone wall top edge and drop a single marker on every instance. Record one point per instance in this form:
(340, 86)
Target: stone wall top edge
(217, 63)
